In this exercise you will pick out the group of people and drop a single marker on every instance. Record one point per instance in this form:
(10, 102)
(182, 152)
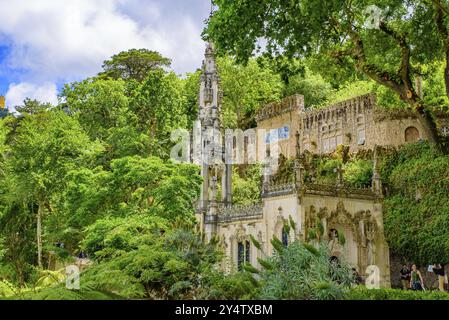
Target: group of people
(411, 278)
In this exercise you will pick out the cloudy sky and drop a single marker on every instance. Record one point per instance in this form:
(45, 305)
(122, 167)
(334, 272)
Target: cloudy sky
(46, 43)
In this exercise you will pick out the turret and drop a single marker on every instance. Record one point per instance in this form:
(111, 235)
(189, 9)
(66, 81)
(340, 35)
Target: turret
(214, 166)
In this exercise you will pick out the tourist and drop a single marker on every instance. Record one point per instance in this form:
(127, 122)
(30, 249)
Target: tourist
(438, 269)
(405, 277)
(417, 282)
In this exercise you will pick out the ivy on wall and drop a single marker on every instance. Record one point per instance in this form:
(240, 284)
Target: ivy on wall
(416, 220)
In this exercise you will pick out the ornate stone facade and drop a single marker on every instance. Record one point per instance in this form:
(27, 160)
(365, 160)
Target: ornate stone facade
(355, 213)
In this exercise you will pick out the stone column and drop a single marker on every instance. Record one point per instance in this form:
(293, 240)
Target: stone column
(211, 217)
(377, 181)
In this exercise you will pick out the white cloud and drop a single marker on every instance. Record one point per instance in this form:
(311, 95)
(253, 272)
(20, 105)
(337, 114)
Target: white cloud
(46, 92)
(60, 41)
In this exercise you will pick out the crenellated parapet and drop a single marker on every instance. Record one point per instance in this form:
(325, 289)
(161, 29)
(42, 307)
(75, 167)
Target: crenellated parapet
(288, 104)
(339, 111)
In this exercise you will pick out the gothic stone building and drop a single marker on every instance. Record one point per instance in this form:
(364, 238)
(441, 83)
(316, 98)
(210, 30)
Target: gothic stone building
(357, 212)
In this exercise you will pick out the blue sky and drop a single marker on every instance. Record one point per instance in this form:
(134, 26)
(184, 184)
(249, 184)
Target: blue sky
(46, 43)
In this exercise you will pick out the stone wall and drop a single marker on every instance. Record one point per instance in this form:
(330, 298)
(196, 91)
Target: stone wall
(357, 122)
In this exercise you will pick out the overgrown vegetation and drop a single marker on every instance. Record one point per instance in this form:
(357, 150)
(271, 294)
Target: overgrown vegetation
(362, 293)
(91, 176)
(417, 210)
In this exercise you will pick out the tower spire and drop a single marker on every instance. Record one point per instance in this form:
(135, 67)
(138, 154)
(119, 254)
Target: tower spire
(214, 166)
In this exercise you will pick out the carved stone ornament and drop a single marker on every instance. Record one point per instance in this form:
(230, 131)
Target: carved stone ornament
(240, 234)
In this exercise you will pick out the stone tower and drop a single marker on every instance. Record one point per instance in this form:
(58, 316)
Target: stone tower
(214, 168)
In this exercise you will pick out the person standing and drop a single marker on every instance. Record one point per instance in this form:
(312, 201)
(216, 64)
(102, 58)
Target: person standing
(405, 277)
(438, 269)
(417, 282)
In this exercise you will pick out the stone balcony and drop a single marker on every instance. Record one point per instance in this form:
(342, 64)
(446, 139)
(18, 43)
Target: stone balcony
(339, 191)
(228, 214)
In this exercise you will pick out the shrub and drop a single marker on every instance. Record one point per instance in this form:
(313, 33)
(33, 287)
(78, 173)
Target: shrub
(362, 293)
(358, 173)
(303, 272)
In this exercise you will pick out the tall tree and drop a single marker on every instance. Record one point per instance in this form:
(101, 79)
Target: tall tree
(245, 89)
(133, 64)
(160, 107)
(45, 147)
(387, 46)
(32, 106)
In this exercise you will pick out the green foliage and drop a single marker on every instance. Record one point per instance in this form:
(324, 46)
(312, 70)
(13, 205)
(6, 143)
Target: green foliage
(362, 293)
(246, 186)
(304, 272)
(351, 90)
(315, 89)
(148, 261)
(99, 104)
(326, 170)
(245, 89)
(60, 293)
(134, 64)
(358, 173)
(31, 106)
(236, 286)
(7, 289)
(416, 209)
(191, 90)
(160, 107)
(111, 237)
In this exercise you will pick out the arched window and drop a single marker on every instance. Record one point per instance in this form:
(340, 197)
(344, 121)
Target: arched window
(285, 237)
(243, 254)
(411, 135)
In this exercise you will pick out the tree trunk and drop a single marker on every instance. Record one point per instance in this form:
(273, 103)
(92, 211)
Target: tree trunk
(428, 122)
(39, 234)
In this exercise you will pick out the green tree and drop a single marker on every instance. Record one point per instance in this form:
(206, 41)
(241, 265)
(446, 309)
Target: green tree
(131, 186)
(246, 89)
(103, 109)
(246, 186)
(409, 34)
(31, 106)
(144, 256)
(160, 107)
(99, 104)
(315, 89)
(134, 64)
(191, 89)
(46, 146)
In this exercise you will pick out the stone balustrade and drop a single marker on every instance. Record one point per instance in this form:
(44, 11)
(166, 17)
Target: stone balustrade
(227, 214)
(339, 191)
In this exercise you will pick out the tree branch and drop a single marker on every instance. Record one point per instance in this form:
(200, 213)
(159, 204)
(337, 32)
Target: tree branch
(442, 30)
(404, 72)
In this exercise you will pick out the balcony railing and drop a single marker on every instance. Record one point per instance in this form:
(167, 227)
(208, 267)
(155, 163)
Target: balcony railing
(240, 213)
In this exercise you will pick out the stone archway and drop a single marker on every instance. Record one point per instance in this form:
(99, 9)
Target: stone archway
(411, 135)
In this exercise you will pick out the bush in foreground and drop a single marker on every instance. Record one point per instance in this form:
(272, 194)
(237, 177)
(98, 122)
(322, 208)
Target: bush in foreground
(362, 293)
